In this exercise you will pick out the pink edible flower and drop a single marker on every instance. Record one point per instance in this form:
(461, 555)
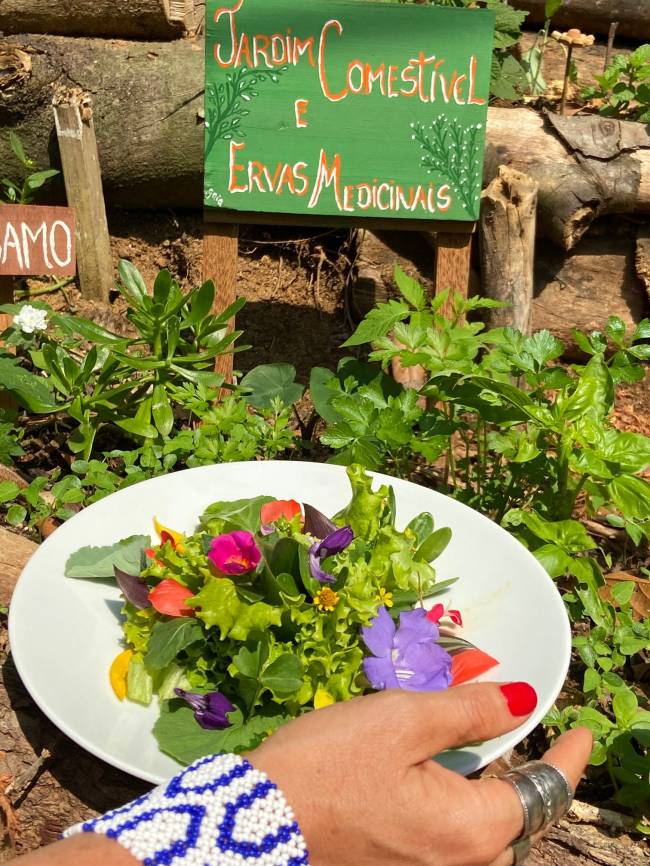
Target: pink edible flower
(437, 612)
(234, 553)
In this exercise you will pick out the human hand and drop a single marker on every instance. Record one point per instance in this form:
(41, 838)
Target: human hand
(359, 778)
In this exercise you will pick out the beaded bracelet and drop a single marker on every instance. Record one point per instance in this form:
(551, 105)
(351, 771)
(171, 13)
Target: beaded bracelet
(219, 811)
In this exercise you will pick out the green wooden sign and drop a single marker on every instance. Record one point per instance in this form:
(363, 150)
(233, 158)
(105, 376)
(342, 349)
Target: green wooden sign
(352, 109)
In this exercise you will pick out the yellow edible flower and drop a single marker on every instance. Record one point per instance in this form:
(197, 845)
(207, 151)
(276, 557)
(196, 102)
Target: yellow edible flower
(166, 534)
(385, 597)
(118, 673)
(323, 698)
(326, 599)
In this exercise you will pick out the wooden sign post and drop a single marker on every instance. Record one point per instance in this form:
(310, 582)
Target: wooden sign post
(34, 241)
(344, 114)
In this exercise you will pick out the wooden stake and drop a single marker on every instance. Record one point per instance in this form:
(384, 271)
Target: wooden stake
(220, 253)
(613, 27)
(83, 185)
(452, 269)
(507, 247)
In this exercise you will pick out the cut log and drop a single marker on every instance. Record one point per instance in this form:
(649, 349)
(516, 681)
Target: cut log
(589, 61)
(15, 550)
(595, 16)
(126, 19)
(596, 280)
(147, 98)
(507, 245)
(643, 256)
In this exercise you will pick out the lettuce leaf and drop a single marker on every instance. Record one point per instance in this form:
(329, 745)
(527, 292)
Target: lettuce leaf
(366, 508)
(240, 514)
(218, 604)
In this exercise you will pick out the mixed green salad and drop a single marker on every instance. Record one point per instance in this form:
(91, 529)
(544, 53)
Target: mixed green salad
(271, 609)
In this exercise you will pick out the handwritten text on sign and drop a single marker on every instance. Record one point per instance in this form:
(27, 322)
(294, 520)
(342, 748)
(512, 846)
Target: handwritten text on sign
(37, 240)
(346, 108)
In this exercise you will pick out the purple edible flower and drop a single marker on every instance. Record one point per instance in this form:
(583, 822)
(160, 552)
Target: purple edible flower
(335, 542)
(210, 711)
(134, 589)
(316, 523)
(406, 658)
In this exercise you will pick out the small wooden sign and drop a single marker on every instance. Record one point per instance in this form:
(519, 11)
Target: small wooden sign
(351, 110)
(37, 240)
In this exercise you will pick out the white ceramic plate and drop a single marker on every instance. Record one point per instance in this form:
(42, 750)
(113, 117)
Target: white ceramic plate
(64, 633)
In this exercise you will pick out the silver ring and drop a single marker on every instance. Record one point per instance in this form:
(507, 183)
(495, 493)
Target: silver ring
(544, 792)
(521, 850)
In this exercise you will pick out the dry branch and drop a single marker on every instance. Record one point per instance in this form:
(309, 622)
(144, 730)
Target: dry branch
(595, 16)
(643, 256)
(128, 19)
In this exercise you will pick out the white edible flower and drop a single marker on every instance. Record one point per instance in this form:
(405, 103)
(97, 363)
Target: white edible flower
(29, 319)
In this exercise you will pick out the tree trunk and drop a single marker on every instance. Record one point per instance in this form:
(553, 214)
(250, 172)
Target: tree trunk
(127, 19)
(643, 256)
(595, 16)
(147, 99)
(596, 280)
(507, 245)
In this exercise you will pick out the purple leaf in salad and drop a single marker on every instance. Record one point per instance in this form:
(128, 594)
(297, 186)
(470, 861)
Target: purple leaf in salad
(408, 657)
(316, 523)
(210, 710)
(334, 543)
(134, 588)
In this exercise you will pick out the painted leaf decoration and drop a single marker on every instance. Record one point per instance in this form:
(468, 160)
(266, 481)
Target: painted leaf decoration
(133, 588)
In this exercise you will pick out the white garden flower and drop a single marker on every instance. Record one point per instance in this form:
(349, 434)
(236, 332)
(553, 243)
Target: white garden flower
(29, 319)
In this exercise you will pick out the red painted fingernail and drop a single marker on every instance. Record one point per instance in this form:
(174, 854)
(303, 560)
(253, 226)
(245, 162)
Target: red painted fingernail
(521, 698)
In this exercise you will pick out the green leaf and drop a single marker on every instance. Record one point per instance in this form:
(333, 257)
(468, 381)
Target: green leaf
(625, 705)
(8, 490)
(623, 591)
(16, 515)
(132, 286)
(631, 496)
(267, 382)
(283, 676)
(410, 289)
(36, 180)
(139, 682)
(421, 526)
(138, 428)
(30, 391)
(169, 638)
(551, 7)
(179, 734)
(591, 680)
(593, 396)
(238, 514)
(553, 559)
(570, 535)
(434, 545)
(321, 394)
(379, 322)
(218, 604)
(100, 562)
(201, 303)
(18, 149)
(161, 410)
(615, 330)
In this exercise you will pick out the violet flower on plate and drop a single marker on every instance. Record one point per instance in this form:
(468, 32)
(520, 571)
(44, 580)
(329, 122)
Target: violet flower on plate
(408, 657)
(335, 542)
(210, 710)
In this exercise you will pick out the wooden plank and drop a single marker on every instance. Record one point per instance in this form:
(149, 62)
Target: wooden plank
(452, 268)
(37, 240)
(220, 254)
(83, 185)
(15, 551)
(307, 132)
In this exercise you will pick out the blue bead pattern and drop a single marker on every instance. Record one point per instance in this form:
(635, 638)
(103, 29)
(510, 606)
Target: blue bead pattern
(220, 811)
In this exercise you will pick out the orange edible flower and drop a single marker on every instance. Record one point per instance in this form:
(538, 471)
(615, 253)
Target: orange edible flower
(165, 534)
(469, 664)
(271, 511)
(169, 597)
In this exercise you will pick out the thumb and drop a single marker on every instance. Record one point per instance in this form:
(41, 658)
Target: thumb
(465, 714)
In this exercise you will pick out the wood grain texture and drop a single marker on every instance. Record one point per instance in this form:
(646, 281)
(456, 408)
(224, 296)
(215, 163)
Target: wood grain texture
(452, 266)
(507, 247)
(127, 19)
(15, 550)
(220, 255)
(83, 186)
(594, 16)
